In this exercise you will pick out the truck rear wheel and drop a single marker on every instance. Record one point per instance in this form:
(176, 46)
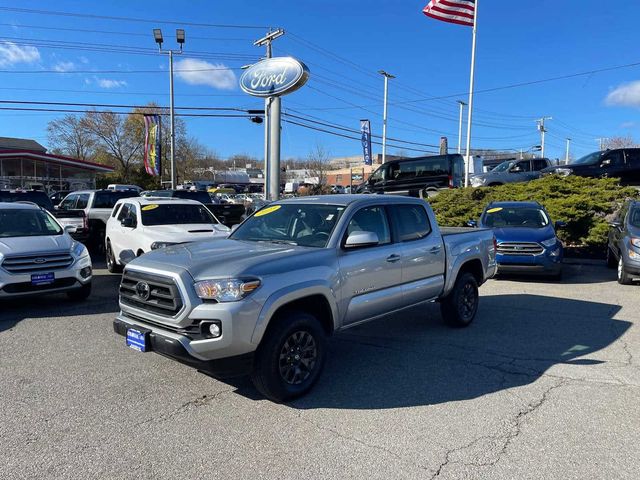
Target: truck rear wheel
(460, 306)
(290, 358)
(623, 277)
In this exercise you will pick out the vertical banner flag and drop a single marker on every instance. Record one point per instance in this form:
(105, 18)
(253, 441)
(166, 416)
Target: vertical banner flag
(152, 144)
(452, 11)
(365, 128)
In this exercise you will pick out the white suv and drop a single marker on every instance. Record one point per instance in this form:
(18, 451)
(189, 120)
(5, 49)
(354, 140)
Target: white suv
(141, 224)
(38, 256)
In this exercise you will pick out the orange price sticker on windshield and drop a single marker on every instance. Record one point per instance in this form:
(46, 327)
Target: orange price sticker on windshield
(267, 211)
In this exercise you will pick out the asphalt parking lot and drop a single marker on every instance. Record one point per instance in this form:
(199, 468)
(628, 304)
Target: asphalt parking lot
(544, 384)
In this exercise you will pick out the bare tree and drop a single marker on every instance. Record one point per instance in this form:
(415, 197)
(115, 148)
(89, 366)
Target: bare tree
(67, 136)
(619, 142)
(318, 164)
(116, 135)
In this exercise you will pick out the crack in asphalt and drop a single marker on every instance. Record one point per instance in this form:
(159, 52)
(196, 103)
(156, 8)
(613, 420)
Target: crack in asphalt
(513, 431)
(200, 401)
(359, 441)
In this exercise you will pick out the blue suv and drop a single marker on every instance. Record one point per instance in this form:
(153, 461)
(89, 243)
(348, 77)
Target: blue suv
(526, 238)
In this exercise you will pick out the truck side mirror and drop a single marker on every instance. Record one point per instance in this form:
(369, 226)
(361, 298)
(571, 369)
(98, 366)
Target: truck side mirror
(605, 162)
(70, 229)
(616, 224)
(472, 224)
(361, 239)
(560, 224)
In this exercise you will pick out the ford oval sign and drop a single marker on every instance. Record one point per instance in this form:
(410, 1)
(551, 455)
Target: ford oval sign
(273, 77)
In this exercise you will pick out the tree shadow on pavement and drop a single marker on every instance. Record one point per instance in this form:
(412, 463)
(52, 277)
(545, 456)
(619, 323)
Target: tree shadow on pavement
(413, 359)
(572, 274)
(103, 299)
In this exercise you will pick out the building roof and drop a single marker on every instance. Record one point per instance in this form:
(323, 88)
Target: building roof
(9, 143)
(56, 159)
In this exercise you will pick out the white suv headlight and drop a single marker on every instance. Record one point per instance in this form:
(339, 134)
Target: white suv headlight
(550, 242)
(226, 290)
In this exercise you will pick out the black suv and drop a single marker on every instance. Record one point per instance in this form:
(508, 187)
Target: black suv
(623, 163)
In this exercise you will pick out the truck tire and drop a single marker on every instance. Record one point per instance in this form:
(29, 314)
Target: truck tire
(623, 277)
(290, 358)
(460, 306)
(80, 294)
(112, 264)
(611, 258)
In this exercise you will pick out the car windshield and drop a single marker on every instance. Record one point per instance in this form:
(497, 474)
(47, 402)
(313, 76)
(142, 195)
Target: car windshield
(172, 214)
(19, 222)
(634, 217)
(503, 167)
(529, 217)
(301, 224)
(587, 159)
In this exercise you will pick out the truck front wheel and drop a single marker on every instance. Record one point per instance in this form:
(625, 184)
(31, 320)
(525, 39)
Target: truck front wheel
(460, 306)
(290, 358)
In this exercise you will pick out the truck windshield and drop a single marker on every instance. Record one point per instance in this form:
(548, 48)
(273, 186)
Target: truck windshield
(587, 159)
(301, 224)
(19, 222)
(529, 217)
(503, 167)
(171, 214)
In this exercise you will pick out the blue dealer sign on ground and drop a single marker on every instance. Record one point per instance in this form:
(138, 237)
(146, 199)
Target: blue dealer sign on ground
(274, 76)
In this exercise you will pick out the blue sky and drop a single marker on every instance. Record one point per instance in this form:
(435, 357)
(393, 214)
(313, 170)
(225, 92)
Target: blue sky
(344, 43)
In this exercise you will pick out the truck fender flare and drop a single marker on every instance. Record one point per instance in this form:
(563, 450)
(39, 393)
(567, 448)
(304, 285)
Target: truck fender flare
(454, 270)
(290, 294)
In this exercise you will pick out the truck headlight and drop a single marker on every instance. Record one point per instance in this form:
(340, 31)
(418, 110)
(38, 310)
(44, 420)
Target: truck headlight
(551, 242)
(157, 245)
(635, 242)
(634, 255)
(564, 171)
(226, 290)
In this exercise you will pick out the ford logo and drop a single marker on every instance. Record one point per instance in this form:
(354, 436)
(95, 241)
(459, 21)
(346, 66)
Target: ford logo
(274, 77)
(40, 260)
(142, 290)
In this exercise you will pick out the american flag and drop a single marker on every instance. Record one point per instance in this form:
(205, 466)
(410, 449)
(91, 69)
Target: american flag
(452, 11)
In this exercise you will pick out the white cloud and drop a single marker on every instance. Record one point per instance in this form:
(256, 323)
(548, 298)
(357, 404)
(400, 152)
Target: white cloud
(64, 66)
(626, 95)
(11, 54)
(199, 72)
(627, 124)
(109, 83)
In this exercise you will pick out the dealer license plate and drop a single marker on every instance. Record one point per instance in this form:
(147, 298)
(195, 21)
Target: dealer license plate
(138, 339)
(42, 278)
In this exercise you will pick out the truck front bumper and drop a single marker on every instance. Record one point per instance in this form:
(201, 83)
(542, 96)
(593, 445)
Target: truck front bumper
(170, 345)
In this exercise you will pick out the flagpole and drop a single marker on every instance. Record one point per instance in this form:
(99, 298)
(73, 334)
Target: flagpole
(471, 82)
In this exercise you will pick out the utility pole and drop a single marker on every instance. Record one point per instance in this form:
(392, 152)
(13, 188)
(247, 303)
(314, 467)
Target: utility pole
(542, 132)
(566, 158)
(601, 141)
(462, 105)
(180, 37)
(271, 171)
(386, 76)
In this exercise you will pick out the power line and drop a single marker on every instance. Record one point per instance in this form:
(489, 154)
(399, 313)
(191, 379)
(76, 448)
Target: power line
(67, 110)
(107, 92)
(111, 105)
(121, 72)
(127, 19)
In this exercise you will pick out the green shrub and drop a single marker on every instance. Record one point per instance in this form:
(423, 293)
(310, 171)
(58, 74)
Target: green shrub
(584, 203)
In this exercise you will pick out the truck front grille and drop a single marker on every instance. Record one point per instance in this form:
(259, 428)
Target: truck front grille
(520, 248)
(153, 293)
(37, 262)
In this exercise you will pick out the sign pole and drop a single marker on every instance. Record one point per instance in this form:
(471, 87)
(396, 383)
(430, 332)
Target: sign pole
(274, 149)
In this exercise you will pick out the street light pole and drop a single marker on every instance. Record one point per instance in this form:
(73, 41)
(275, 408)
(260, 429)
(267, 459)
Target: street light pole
(566, 158)
(462, 105)
(542, 132)
(386, 76)
(180, 37)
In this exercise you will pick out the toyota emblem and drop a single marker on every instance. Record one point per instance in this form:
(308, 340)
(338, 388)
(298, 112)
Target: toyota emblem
(143, 290)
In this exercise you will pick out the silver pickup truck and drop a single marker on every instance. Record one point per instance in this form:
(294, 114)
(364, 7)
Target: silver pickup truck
(264, 301)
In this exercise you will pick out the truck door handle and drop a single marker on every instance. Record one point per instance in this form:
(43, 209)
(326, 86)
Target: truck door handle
(435, 250)
(393, 258)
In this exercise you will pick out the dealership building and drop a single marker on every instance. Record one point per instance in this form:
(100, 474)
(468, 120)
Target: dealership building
(26, 164)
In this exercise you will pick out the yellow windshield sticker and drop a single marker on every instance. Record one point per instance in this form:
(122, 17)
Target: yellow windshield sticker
(149, 207)
(267, 210)
(494, 210)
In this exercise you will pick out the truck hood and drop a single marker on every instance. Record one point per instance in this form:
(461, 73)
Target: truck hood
(523, 234)
(45, 243)
(186, 233)
(229, 258)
